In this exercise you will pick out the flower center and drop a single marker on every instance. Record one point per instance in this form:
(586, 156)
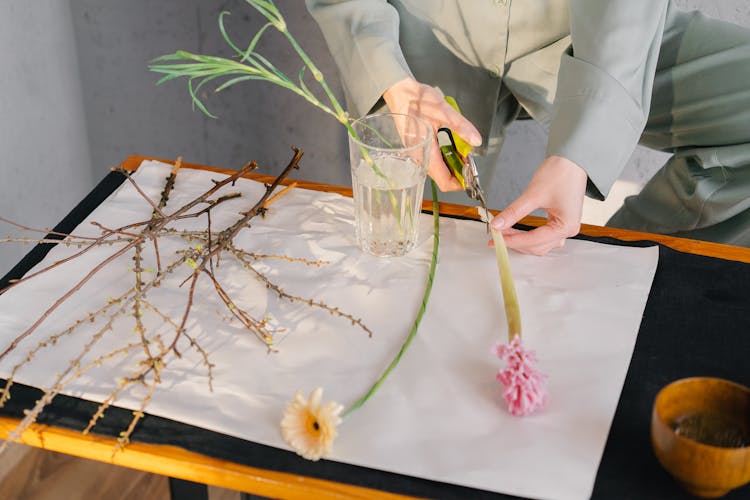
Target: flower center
(313, 427)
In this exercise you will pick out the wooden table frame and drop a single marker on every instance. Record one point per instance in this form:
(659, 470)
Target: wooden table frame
(179, 463)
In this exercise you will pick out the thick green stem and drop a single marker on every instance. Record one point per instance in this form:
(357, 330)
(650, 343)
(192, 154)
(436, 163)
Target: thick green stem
(341, 114)
(512, 310)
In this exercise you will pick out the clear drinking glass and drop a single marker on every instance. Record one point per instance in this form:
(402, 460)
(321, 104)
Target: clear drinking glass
(389, 158)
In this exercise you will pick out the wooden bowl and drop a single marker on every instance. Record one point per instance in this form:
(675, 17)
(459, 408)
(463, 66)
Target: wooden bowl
(692, 412)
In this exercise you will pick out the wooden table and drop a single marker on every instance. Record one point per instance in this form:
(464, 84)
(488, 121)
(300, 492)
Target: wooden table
(180, 463)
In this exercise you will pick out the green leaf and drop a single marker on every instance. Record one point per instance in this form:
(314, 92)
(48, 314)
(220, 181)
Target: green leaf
(196, 101)
(272, 68)
(239, 79)
(167, 57)
(223, 31)
(167, 77)
(310, 96)
(207, 80)
(270, 12)
(255, 40)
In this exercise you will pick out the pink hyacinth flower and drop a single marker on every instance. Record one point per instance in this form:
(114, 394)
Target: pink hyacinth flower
(525, 389)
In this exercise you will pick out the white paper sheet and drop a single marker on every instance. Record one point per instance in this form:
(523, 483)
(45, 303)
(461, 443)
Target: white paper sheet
(440, 415)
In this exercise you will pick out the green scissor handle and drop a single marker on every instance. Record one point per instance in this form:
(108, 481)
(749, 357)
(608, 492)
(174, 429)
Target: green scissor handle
(453, 148)
(459, 158)
(463, 147)
(446, 142)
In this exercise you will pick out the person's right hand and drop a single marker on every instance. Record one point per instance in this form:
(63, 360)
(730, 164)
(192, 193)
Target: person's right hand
(408, 96)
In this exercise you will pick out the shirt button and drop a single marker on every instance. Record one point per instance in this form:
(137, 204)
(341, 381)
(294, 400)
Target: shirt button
(501, 3)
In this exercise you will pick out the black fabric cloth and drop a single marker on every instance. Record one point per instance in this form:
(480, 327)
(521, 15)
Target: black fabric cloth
(696, 323)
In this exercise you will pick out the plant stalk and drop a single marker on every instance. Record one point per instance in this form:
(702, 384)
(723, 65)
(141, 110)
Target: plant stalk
(512, 309)
(420, 313)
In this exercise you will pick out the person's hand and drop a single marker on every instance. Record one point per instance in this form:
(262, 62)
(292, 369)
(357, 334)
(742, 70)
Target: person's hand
(558, 187)
(408, 96)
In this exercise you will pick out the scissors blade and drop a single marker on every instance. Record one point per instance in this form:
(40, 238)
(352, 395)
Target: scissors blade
(473, 188)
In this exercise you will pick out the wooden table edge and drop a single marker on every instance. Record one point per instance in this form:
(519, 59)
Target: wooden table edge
(177, 462)
(706, 248)
(173, 461)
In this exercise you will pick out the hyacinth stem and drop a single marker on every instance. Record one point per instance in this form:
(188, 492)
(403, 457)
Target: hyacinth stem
(420, 313)
(512, 310)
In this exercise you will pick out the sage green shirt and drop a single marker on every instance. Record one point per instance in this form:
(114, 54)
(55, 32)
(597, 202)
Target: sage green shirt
(584, 68)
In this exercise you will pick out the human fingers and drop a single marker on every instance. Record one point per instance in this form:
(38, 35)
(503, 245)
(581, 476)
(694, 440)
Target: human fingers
(538, 241)
(439, 172)
(505, 233)
(434, 108)
(517, 210)
(446, 116)
(412, 97)
(409, 96)
(460, 125)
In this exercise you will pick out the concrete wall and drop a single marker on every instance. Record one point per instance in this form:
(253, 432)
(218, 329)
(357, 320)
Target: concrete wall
(127, 113)
(76, 93)
(44, 154)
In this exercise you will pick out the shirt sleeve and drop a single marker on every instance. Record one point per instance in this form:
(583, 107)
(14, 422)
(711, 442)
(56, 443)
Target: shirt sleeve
(362, 36)
(604, 85)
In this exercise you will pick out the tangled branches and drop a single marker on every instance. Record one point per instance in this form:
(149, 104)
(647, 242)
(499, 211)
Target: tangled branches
(160, 337)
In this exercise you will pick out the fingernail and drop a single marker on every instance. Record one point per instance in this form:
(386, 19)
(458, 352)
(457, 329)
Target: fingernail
(497, 223)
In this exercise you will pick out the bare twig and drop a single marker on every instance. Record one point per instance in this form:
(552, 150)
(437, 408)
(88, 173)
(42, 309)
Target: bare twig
(150, 350)
(45, 231)
(157, 209)
(310, 302)
(285, 190)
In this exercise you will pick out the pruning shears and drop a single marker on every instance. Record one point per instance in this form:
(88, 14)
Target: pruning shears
(459, 158)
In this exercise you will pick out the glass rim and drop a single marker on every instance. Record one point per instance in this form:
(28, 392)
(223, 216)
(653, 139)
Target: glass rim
(417, 119)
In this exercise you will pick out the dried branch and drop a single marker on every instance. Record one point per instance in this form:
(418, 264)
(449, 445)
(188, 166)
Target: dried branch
(150, 351)
(293, 298)
(45, 231)
(273, 198)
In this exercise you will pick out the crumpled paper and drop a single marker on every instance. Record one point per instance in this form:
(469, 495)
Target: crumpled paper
(440, 414)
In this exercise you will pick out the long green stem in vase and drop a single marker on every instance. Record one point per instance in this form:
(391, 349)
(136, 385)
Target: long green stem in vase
(422, 307)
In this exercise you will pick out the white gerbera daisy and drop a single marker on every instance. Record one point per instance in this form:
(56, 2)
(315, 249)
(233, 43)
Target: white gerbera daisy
(310, 427)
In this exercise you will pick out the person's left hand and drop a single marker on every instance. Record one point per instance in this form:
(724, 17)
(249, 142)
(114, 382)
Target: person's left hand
(558, 187)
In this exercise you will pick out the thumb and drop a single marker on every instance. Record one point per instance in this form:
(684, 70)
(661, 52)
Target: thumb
(517, 210)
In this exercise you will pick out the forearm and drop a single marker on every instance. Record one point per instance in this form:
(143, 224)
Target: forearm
(604, 86)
